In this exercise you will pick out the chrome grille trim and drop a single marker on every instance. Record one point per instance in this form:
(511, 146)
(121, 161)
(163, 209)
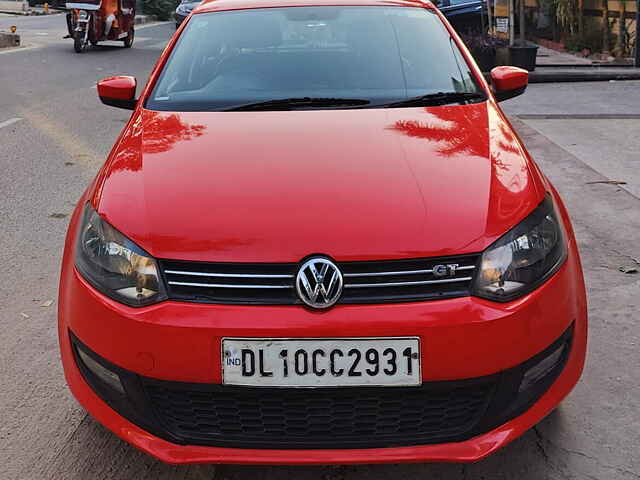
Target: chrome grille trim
(400, 272)
(225, 275)
(402, 284)
(225, 285)
(382, 274)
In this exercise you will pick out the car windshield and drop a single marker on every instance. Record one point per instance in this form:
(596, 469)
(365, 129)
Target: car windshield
(316, 57)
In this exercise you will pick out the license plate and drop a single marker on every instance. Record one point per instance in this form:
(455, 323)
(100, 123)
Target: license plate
(321, 362)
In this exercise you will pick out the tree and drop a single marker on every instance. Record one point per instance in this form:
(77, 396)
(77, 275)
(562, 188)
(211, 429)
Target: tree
(620, 41)
(581, 18)
(490, 17)
(568, 14)
(521, 22)
(162, 9)
(605, 26)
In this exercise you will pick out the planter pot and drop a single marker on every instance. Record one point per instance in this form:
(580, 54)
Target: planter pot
(503, 57)
(485, 58)
(524, 56)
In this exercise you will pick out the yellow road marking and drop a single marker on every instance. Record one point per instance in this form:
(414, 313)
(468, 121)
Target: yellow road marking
(73, 146)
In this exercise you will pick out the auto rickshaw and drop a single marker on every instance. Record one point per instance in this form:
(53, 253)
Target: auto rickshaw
(94, 21)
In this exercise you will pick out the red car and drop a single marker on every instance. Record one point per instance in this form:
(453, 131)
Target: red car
(319, 240)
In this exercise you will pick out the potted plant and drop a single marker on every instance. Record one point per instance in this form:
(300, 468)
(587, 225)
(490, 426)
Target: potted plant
(521, 52)
(483, 47)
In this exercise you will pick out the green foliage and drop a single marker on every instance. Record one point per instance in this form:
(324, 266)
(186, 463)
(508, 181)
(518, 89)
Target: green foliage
(591, 38)
(577, 43)
(567, 14)
(478, 42)
(162, 9)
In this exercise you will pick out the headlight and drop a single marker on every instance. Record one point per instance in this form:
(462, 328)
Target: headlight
(114, 265)
(83, 15)
(524, 257)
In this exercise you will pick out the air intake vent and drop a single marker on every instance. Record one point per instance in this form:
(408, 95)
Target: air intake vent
(327, 418)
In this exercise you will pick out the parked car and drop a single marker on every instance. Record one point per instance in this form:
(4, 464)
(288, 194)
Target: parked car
(464, 15)
(314, 243)
(184, 9)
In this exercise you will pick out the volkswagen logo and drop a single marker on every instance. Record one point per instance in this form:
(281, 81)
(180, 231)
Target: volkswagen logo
(319, 283)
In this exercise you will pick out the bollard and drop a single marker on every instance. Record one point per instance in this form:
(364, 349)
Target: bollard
(9, 40)
(46, 8)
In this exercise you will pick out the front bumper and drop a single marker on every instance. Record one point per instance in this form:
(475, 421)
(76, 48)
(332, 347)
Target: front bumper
(344, 418)
(462, 338)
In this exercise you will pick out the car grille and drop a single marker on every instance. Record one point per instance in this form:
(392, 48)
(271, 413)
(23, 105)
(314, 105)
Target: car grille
(274, 283)
(322, 418)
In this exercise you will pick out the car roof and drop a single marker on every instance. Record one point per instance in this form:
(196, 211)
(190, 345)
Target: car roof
(219, 5)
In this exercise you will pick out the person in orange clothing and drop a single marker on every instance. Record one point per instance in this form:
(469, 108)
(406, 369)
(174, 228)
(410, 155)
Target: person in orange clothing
(109, 8)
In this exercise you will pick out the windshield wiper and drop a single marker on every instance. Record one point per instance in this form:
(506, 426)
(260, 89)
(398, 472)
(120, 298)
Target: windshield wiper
(292, 103)
(440, 98)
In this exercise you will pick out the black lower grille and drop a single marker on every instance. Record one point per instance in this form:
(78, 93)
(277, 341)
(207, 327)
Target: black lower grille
(321, 418)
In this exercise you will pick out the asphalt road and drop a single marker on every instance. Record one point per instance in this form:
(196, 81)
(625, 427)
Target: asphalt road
(54, 135)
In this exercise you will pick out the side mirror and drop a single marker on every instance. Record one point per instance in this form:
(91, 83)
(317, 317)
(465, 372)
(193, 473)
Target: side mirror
(508, 82)
(118, 92)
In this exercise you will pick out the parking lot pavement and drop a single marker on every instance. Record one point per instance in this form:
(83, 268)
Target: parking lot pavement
(598, 122)
(55, 134)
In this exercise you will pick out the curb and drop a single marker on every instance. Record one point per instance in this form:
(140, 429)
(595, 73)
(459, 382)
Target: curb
(586, 65)
(585, 76)
(142, 19)
(52, 11)
(566, 76)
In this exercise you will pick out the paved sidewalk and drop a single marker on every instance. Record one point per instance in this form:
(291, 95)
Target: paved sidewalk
(555, 66)
(547, 56)
(9, 6)
(18, 7)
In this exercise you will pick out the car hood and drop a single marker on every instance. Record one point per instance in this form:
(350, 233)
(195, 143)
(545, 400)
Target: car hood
(351, 184)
